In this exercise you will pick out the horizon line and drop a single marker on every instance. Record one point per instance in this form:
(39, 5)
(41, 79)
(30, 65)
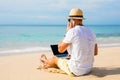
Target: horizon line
(56, 24)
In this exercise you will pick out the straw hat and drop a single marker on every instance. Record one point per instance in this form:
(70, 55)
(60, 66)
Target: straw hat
(76, 14)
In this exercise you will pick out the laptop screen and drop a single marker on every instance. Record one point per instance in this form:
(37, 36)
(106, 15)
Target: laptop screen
(56, 52)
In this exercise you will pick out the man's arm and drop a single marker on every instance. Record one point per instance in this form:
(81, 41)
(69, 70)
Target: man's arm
(62, 47)
(96, 50)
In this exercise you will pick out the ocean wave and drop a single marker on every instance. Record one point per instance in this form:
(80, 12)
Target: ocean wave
(43, 49)
(109, 45)
(25, 50)
(105, 35)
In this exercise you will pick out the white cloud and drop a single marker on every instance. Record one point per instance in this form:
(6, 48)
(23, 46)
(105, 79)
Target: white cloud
(52, 9)
(55, 5)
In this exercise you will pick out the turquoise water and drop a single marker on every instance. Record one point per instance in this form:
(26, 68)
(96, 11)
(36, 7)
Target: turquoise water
(15, 36)
(38, 38)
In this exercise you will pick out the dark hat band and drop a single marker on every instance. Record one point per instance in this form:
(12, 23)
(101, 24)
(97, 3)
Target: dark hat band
(76, 16)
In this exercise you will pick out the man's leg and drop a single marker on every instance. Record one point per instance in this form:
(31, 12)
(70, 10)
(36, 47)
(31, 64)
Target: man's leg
(48, 63)
(55, 63)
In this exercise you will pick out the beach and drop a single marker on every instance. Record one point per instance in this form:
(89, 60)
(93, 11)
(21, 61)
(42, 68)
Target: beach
(24, 67)
(21, 47)
(28, 29)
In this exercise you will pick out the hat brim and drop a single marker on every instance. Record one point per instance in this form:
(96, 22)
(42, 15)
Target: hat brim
(76, 18)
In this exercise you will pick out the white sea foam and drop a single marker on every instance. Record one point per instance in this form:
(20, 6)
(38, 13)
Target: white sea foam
(109, 45)
(42, 49)
(25, 50)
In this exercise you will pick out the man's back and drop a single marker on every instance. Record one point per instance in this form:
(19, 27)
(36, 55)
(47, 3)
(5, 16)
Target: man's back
(82, 49)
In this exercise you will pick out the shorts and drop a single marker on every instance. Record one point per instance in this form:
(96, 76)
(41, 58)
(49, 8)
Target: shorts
(63, 65)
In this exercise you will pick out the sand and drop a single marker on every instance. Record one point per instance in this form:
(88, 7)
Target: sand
(24, 67)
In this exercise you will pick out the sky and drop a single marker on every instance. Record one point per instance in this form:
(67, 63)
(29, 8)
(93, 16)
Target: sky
(55, 12)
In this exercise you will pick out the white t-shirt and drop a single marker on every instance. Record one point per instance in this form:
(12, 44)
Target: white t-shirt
(81, 49)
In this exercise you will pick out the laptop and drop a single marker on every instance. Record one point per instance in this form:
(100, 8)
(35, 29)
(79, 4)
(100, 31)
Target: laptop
(56, 52)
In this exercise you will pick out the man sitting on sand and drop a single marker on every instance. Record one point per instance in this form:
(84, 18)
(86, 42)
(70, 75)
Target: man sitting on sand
(81, 45)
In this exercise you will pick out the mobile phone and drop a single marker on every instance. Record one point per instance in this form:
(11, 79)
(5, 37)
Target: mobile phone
(72, 23)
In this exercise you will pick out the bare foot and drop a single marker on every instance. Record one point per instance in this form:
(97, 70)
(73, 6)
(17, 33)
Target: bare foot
(43, 57)
(43, 60)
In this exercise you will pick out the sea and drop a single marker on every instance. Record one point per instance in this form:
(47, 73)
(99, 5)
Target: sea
(31, 39)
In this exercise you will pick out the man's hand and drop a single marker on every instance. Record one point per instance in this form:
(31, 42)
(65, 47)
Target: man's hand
(96, 50)
(69, 26)
(68, 57)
